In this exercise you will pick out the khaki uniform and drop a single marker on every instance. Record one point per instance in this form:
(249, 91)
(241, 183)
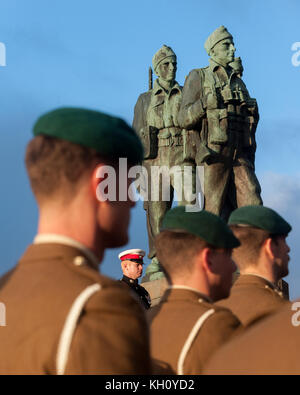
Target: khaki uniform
(186, 329)
(271, 347)
(252, 298)
(64, 317)
(140, 291)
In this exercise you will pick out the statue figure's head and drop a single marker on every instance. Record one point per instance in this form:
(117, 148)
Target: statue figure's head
(237, 66)
(220, 46)
(164, 64)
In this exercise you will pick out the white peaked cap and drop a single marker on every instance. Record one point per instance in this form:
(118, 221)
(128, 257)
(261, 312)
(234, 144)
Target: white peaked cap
(136, 254)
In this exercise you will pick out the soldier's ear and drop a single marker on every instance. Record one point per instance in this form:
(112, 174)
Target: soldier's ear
(103, 183)
(203, 259)
(268, 248)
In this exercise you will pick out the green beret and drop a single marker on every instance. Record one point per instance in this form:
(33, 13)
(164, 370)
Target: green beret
(111, 137)
(260, 217)
(203, 224)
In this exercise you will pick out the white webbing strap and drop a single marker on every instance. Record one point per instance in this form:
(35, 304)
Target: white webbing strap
(190, 339)
(70, 326)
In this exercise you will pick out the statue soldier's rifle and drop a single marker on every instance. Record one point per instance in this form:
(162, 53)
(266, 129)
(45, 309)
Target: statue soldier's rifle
(150, 86)
(150, 78)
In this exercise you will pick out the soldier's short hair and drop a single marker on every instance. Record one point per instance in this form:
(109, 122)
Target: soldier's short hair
(176, 251)
(57, 167)
(252, 240)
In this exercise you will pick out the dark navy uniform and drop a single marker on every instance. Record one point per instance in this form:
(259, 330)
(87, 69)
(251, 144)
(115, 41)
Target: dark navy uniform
(141, 292)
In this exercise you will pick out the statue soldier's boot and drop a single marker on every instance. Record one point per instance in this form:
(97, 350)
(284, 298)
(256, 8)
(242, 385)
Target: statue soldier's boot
(153, 271)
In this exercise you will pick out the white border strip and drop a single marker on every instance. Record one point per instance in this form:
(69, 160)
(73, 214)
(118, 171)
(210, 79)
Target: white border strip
(70, 326)
(190, 339)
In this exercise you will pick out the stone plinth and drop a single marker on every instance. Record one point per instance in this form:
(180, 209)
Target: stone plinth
(156, 289)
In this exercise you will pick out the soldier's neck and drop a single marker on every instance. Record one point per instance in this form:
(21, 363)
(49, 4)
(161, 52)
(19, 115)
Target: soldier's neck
(72, 224)
(196, 282)
(166, 85)
(266, 274)
(224, 65)
(130, 279)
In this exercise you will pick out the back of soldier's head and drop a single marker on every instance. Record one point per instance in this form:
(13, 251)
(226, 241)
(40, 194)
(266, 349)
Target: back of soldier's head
(56, 167)
(253, 225)
(252, 240)
(68, 144)
(176, 251)
(184, 234)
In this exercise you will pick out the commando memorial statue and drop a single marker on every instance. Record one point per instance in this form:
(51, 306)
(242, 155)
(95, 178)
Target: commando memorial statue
(210, 123)
(217, 104)
(155, 121)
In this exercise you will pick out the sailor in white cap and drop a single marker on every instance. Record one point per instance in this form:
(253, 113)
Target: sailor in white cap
(132, 267)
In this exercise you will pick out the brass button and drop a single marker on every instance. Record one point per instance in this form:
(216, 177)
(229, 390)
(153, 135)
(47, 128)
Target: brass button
(79, 261)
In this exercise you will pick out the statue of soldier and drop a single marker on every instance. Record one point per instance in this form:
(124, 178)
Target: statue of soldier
(216, 106)
(155, 121)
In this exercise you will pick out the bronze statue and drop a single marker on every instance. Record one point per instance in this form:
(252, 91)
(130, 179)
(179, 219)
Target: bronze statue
(155, 121)
(237, 66)
(217, 109)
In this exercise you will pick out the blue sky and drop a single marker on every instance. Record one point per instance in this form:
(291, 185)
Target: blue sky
(96, 54)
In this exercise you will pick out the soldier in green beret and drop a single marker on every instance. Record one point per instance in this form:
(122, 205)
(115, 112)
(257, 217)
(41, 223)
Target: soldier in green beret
(186, 328)
(64, 316)
(155, 121)
(217, 107)
(262, 260)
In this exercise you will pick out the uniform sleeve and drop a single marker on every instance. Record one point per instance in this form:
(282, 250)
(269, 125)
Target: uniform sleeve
(217, 330)
(139, 119)
(192, 107)
(112, 336)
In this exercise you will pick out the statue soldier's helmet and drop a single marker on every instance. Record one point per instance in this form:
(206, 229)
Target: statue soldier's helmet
(163, 53)
(221, 33)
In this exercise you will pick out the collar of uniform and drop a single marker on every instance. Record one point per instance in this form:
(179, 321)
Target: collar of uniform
(157, 88)
(129, 280)
(213, 66)
(68, 241)
(256, 278)
(190, 290)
